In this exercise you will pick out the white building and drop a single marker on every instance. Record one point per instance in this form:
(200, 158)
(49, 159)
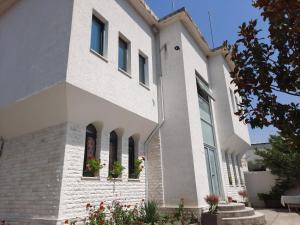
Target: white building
(109, 78)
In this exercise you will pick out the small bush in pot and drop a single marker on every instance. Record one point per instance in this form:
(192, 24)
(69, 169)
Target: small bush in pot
(211, 217)
(116, 170)
(244, 195)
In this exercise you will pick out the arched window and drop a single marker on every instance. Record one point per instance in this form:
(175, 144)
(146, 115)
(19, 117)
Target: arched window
(113, 149)
(90, 148)
(131, 157)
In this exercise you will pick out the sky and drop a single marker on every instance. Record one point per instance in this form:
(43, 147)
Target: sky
(226, 17)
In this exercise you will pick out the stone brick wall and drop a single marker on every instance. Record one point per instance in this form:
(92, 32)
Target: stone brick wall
(77, 191)
(30, 176)
(154, 170)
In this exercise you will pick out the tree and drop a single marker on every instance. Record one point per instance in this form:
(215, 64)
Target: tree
(268, 66)
(283, 162)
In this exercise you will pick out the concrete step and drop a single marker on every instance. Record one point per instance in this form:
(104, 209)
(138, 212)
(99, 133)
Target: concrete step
(231, 207)
(237, 213)
(256, 219)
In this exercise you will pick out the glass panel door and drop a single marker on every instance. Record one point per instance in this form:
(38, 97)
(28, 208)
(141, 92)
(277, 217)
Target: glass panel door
(212, 170)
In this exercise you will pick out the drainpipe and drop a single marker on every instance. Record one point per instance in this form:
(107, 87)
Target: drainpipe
(161, 112)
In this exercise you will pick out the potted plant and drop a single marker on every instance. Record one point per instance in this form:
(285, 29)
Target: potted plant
(244, 195)
(229, 199)
(93, 167)
(138, 168)
(211, 217)
(116, 171)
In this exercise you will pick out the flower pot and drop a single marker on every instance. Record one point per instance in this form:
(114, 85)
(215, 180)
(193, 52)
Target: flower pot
(211, 219)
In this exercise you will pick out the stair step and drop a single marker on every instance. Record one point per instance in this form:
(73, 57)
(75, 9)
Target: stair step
(231, 207)
(237, 213)
(256, 219)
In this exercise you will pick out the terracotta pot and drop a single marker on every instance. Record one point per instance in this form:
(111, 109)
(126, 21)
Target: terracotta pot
(211, 219)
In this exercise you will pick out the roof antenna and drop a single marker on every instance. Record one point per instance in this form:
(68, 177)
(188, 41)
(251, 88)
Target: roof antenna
(211, 31)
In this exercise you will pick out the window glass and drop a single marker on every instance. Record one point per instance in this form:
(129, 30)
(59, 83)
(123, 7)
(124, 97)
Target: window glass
(97, 36)
(123, 54)
(142, 69)
(204, 110)
(90, 148)
(113, 149)
(131, 157)
(207, 133)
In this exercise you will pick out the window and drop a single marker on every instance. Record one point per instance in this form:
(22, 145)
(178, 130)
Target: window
(234, 170)
(228, 169)
(206, 119)
(131, 157)
(90, 148)
(236, 103)
(123, 55)
(143, 70)
(97, 36)
(113, 149)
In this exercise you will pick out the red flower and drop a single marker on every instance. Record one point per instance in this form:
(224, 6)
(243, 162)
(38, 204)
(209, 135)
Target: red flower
(243, 193)
(229, 199)
(102, 207)
(143, 200)
(101, 221)
(212, 199)
(128, 206)
(88, 205)
(101, 203)
(66, 221)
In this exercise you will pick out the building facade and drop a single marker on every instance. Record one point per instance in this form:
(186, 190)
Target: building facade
(110, 80)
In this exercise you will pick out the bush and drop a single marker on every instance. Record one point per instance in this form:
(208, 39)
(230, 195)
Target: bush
(116, 170)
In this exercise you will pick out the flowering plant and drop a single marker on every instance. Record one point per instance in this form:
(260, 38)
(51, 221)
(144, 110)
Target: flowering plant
(94, 165)
(229, 199)
(116, 170)
(138, 167)
(213, 201)
(243, 194)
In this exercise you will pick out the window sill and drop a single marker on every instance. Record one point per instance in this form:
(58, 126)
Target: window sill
(115, 179)
(133, 180)
(124, 72)
(145, 86)
(99, 55)
(90, 178)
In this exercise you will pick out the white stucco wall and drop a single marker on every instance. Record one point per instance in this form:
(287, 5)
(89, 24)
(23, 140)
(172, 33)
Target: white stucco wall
(34, 42)
(233, 134)
(177, 154)
(102, 77)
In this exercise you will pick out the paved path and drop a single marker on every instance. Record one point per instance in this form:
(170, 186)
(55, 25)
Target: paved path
(280, 217)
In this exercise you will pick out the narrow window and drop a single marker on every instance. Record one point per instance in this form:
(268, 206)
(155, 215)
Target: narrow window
(97, 36)
(113, 149)
(143, 70)
(131, 157)
(90, 148)
(123, 55)
(234, 170)
(228, 169)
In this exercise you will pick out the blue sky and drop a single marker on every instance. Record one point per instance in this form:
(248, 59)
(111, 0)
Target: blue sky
(226, 17)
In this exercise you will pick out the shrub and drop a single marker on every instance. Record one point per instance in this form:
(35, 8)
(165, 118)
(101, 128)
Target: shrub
(149, 212)
(94, 165)
(116, 170)
(212, 201)
(138, 167)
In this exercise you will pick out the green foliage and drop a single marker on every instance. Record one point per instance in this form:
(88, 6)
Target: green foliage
(150, 213)
(116, 170)
(256, 165)
(94, 165)
(283, 162)
(138, 168)
(269, 66)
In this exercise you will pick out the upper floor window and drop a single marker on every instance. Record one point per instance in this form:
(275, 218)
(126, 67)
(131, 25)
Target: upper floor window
(90, 148)
(97, 35)
(123, 55)
(143, 73)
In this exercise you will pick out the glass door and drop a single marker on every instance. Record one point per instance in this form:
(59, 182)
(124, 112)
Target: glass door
(212, 170)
